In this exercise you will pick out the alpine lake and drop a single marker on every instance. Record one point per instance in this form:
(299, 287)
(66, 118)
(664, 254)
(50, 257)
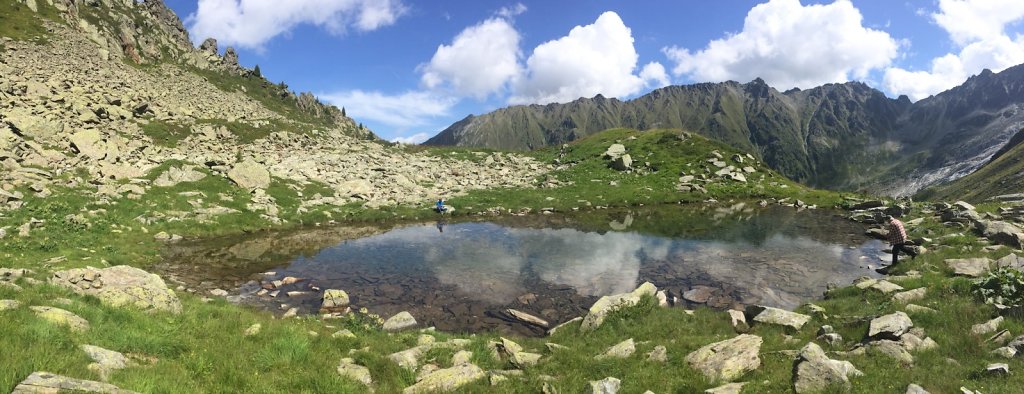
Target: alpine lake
(463, 275)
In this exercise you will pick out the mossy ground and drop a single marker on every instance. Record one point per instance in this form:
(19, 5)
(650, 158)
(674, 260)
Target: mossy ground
(203, 349)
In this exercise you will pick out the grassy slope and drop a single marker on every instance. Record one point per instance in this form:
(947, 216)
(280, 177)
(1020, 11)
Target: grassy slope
(1005, 175)
(204, 347)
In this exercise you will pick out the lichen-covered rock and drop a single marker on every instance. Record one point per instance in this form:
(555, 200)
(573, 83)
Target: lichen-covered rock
(334, 301)
(814, 372)
(729, 359)
(731, 388)
(974, 267)
(45, 382)
(767, 315)
(105, 361)
(890, 326)
(607, 385)
(399, 322)
(448, 379)
(621, 350)
(61, 317)
(9, 304)
(120, 286)
(349, 369)
(250, 175)
(608, 304)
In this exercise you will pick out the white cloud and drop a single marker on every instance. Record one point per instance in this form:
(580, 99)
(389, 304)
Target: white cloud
(414, 139)
(968, 21)
(251, 23)
(978, 27)
(654, 75)
(513, 11)
(480, 60)
(789, 44)
(410, 109)
(592, 59)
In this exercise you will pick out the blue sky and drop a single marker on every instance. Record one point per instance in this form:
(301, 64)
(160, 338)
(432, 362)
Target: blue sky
(408, 69)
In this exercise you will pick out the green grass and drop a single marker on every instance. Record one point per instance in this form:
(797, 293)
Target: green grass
(165, 133)
(17, 21)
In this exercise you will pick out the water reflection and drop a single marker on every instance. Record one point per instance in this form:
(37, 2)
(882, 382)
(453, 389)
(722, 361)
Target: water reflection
(460, 276)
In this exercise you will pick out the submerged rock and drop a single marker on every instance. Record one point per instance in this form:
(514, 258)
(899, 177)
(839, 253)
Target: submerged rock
(334, 301)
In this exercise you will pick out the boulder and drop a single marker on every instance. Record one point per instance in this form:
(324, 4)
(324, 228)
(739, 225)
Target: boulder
(814, 372)
(731, 388)
(349, 369)
(250, 175)
(621, 350)
(987, 327)
(607, 385)
(399, 322)
(448, 379)
(28, 124)
(910, 295)
(892, 349)
(608, 304)
(915, 389)
(120, 286)
(739, 321)
(729, 359)
(105, 361)
(359, 188)
(615, 151)
(61, 317)
(1011, 261)
(9, 304)
(89, 143)
(45, 382)
(1002, 233)
(659, 354)
(974, 267)
(776, 316)
(334, 301)
(622, 163)
(176, 175)
(890, 326)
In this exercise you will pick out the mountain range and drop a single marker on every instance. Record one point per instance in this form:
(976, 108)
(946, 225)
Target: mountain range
(846, 136)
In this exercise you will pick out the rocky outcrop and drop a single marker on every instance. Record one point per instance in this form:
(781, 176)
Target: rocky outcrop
(727, 360)
(399, 322)
(120, 286)
(1002, 233)
(45, 382)
(608, 304)
(814, 372)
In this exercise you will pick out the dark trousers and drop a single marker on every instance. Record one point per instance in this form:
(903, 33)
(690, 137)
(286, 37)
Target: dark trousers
(901, 247)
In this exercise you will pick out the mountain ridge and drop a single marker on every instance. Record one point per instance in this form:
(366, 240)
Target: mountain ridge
(839, 136)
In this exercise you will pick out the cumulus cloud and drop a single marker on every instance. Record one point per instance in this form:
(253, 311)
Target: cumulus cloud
(480, 60)
(414, 139)
(592, 59)
(654, 76)
(251, 23)
(978, 28)
(513, 11)
(789, 44)
(409, 109)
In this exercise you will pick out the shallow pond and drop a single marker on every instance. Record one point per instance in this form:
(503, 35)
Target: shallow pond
(462, 276)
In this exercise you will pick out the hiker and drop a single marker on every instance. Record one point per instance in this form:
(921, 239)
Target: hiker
(439, 207)
(898, 240)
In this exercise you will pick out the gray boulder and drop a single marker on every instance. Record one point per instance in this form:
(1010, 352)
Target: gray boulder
(45, 382)
(780, 317)
(1002, 233)
(622, 163)
(890, 326)
(727, 360)
(176, 175)
(607, 385)
(334, 301)
(974, 267)
(399, 322)
(608, 304)
(448, 379)
(61, 317)
(615, 151)
(250, 175)
(814, 372)
(120, 286)
(349, 369)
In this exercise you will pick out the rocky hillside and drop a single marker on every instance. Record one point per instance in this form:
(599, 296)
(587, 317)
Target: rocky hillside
(841, 136)
(1002, 178)
(109, 98)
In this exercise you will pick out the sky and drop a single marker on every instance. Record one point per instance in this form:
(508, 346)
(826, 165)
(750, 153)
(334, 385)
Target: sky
(408, 69)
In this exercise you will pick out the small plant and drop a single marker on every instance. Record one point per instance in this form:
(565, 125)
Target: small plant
(1003, 286)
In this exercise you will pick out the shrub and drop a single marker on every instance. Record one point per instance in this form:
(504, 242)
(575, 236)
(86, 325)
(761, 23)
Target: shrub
(1003, 286)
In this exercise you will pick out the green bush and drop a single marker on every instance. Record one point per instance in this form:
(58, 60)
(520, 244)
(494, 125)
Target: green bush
(1003, 286)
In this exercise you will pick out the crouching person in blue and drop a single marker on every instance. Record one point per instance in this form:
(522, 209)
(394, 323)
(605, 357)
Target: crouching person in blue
(439, 207)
